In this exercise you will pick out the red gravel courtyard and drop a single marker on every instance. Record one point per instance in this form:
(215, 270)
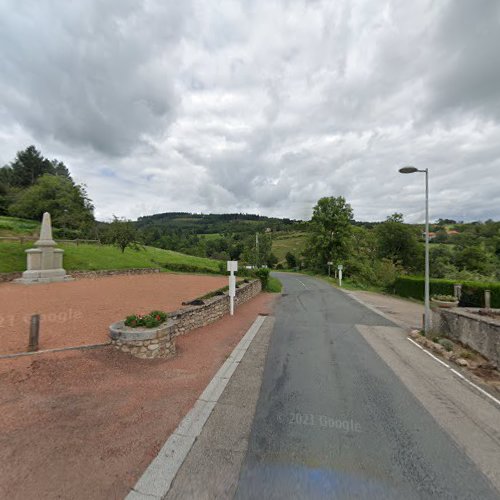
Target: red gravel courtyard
(79, 312)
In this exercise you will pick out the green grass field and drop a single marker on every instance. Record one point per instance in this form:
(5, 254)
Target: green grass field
(288, 242)
(96, 257)
(12, 226)
(210, 236)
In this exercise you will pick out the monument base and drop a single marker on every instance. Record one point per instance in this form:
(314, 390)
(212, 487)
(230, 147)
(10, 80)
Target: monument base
(43, 276)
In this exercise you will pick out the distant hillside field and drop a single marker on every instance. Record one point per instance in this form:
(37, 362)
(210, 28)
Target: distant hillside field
(96, 257)
(288, 242)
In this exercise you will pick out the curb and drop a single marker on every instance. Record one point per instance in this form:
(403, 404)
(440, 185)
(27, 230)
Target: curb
(156, 480)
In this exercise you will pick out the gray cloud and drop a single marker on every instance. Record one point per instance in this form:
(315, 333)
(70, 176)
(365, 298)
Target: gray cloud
(259, 106)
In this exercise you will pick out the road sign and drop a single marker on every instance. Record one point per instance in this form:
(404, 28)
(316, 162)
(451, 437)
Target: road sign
(232, 266)
(340, 267)
(330, 263)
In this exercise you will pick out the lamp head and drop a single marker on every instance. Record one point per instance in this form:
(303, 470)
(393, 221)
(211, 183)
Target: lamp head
(408, 170)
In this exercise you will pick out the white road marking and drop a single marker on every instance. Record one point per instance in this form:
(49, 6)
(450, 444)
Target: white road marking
(427, 352)
(457, 373)
(475, 386)
(302, 283)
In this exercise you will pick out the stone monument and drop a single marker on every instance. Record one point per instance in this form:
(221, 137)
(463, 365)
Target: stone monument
(45, 262)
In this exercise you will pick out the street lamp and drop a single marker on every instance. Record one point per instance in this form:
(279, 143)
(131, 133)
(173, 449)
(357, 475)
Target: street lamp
(427, 315)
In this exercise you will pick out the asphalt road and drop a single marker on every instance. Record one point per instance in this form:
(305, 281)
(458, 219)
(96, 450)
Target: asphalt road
(334, 421)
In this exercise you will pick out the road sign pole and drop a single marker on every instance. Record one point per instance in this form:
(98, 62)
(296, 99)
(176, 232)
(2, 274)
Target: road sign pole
(232, 267)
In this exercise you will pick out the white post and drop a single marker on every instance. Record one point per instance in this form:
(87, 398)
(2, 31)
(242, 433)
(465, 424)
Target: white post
(340, 268)
(232, 267)
(427, 325)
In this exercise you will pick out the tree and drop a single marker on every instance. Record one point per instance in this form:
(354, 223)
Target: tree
(331, 232)
(122, 233)
(272, 260)
(474, 258)
(291, 260)
(398, 242)
(67, 203)
(28, 166)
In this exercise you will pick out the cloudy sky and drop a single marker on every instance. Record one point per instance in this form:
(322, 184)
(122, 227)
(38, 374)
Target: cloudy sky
(259, 106)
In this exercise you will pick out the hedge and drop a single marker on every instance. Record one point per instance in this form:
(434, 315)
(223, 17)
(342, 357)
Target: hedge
(472, 291)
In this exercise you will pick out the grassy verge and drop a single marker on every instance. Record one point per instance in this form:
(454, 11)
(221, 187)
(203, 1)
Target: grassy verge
(97, 257)
(274, 285)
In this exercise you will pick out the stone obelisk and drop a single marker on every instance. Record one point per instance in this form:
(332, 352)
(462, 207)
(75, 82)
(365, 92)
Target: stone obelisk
(45, 262)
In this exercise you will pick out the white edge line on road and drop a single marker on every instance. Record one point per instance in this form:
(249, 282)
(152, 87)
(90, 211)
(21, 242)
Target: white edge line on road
(482, 391)
(156, 480)
(457, 373)
(406, 327)
(428, 353)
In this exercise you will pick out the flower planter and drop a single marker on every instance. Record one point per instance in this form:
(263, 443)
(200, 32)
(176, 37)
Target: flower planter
(444, 304)
(142, 342)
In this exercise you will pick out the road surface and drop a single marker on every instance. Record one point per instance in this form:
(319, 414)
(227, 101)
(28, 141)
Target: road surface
(334, 421)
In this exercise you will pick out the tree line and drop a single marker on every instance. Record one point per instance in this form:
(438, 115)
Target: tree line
(32, 184)
(376, 255)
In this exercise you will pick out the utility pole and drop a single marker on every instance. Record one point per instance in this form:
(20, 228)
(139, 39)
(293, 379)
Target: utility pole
(257, 250)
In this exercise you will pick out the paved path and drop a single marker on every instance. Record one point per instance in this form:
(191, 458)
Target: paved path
(342, 412)
(404, 312)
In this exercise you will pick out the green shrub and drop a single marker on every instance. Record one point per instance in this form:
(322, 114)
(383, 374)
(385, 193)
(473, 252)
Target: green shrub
(263, 275)
(191, 268)
(447, 344)
(151, 320)
(472, 291)
(444, 298)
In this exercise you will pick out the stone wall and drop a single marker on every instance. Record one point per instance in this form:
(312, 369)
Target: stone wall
(481, 333)
(191, 317)
(160, 342)
(5, 277)
(144, 342)
(112, 272)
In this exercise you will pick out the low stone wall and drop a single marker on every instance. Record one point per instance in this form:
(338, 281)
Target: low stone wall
(144, 342)
(160, 342)
(5, 277)
(112, 272)
(191, 317)
(481, 333)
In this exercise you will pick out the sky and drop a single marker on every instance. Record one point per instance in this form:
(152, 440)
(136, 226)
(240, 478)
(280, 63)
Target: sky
(259, 106)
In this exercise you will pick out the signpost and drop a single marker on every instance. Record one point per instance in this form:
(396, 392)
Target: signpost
(330, 264)
(340, 268)
(232, 267)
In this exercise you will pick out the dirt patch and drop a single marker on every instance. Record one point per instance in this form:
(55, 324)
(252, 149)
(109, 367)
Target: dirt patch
(79, 312)
(478, 367)
(85, 424)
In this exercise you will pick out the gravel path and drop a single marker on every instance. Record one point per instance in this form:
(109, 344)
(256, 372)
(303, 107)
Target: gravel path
(79, 312)
(86, 424)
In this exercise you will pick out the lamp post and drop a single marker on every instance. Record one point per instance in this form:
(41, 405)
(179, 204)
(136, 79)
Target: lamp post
(427, 315)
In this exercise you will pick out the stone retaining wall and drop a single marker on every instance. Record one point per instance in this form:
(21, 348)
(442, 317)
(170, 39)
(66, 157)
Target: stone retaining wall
(191, 317)
(5, 277)
(481, 333)
(112, 272)
(160, 342)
